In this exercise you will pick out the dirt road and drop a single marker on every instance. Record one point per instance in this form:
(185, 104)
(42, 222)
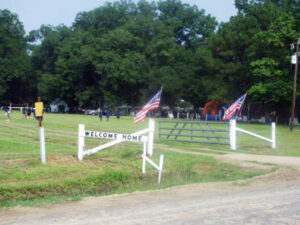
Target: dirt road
(269, 199)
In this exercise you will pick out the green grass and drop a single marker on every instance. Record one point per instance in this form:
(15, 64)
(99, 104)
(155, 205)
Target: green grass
(25, 181)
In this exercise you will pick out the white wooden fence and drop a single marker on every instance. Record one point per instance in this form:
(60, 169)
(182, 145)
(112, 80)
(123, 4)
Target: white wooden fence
(118, 138)
(158, 167)
(234, 129)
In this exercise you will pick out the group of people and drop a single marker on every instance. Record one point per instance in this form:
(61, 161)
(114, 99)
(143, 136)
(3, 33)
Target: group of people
(107, 114)
(26, 112)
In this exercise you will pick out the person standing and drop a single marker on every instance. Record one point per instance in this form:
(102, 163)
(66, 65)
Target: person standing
(33, 112)
(28, 112)
(118, 114)
(7, 113)
(24, 112)
(107, 115)
(100, 114)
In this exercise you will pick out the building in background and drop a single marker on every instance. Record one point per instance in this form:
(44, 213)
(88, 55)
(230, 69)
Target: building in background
(59, 106)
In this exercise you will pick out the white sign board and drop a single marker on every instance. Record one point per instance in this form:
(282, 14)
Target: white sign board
(109, 135)
(118, 138)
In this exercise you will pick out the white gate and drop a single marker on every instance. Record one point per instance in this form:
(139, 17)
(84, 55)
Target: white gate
(234, 129)
(118, 138)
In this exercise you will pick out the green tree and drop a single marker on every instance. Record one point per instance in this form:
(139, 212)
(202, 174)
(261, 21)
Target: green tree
(271, 71)
(234, 44)
(189, 25)
(16, 78)
(121, 52)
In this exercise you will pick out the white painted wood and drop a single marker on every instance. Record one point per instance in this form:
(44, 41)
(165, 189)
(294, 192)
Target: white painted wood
(159, 168)
(273, 135)
(232, 133)
(253, 134)
(109, 144)
(152, 163)
(80, 141)
(161, 164)
(42, 145)
(144, 158)
(147, 144)
(234, 128)
(150, 137)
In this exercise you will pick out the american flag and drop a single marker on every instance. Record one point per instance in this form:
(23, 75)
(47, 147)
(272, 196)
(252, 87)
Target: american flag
(236, 106)
(151, 105)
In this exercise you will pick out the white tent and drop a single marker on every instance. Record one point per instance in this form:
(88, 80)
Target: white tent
(59, 106)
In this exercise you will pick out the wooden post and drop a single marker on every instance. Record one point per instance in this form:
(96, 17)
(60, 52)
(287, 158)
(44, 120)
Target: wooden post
(42, 145)
(232, 133)
(161, 165)
(150, 137)
(80, 141)
(295, 87)
(273, 135)
(144, 158)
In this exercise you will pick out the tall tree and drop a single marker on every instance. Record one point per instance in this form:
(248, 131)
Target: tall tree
(271, 70)
(189, 24)
(16, 78)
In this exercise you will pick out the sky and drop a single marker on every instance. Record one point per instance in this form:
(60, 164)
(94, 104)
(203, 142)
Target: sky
(34, 13)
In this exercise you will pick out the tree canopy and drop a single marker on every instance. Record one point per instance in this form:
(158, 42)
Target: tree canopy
(122, 52)
(16, 79)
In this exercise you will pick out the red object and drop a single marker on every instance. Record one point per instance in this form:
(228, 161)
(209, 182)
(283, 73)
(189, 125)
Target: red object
(212, 107)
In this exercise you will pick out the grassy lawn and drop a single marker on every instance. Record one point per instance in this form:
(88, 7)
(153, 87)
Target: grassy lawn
(25, 181)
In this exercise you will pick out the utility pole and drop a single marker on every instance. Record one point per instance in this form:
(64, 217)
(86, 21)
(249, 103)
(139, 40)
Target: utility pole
(295, 86)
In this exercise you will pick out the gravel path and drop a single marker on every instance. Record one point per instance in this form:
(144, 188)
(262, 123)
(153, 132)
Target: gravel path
(241, 158)
(270, 199)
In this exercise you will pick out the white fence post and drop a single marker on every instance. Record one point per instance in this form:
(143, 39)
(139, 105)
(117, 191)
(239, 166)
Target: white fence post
(80, 141)
(273, 135)
(150, 137)
(42, 145)
(161, 164)
(232, 132)
(144, 158)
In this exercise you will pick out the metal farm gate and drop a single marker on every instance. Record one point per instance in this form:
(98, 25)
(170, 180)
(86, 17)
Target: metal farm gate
(195, 131)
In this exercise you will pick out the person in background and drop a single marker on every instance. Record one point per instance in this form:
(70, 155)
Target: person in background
(192, 115)
(33, 112)
(107, 115)
(118, 114)
(100, 114)
(29, 112)
(7, 113)
(24, 112)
